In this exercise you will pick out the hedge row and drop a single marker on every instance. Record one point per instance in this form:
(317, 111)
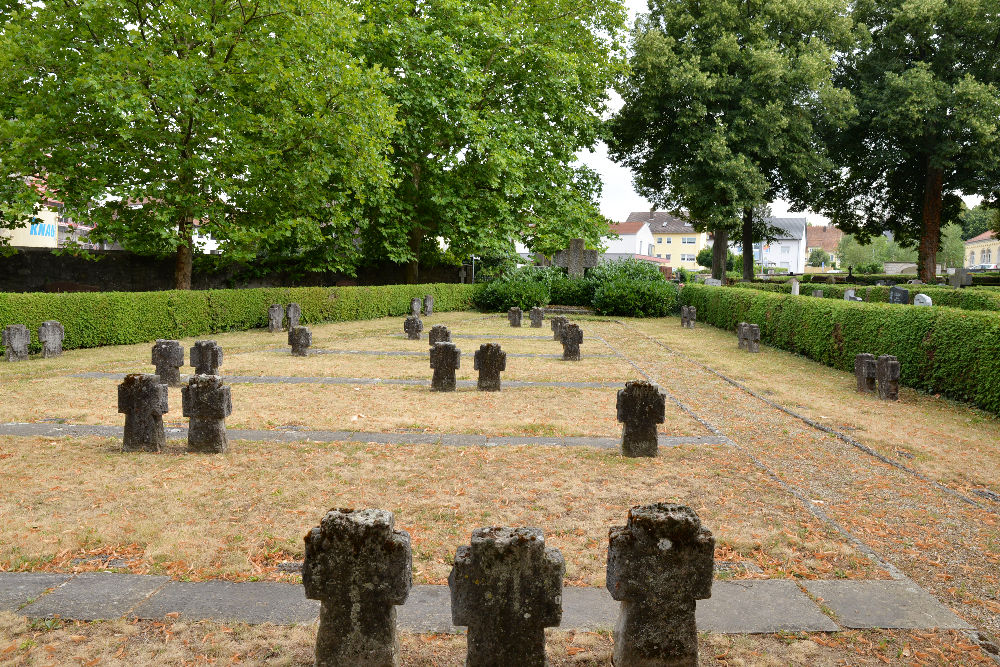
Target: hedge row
(969, 298)
(93, 319)
(941, 350)
(978, 279)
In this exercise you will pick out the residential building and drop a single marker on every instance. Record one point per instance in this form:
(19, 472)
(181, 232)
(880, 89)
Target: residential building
(982, 249)
(824, 237)
(675, 240)
(788, 251)
(635, 240)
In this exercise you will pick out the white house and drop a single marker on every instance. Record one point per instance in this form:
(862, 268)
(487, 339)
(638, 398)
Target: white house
(787, 251)
(635, 240)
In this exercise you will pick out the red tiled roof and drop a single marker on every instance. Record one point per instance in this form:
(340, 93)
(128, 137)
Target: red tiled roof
(627, 227)
(985, 236)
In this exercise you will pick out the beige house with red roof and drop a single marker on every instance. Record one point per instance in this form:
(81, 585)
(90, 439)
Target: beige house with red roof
(824, 237)
(675, 241)
(982, 249)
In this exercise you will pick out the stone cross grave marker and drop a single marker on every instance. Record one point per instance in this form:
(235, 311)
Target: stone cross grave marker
(922, 300)
(795, 287)
(206, 357)
(15, 340)
(514, 316)
(143, 401)
(748, 337)
(536, 315)
(415, 305)
(168, 357)
(294, 315)
(641, 406)
(714, 282)
(206, 401)
(899, 295)
(818, 293)
(571, 336)
(51, 335)
(359, 568)
(689, 315)
(557, 323)
(300, 338)
(961, 278)
(849, 295)
(864, 372)
(275, 317)
(413, 326)
(506, 587)
(575, 259)
(659, 565)
(446, 358)
(439, 333)
(887, 370)
(490, 361)
(429, 304)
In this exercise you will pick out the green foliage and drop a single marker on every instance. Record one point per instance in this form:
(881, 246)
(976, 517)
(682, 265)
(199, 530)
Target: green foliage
(93, 319)
(941, 350)
(819, 257)
(635, 298)
(568, 291)
(969, 298)
(976, 220)
(870, 268)
(624, 269)
(876, 249)
(733, 261)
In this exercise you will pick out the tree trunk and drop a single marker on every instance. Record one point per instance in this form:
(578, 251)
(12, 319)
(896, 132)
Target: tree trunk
(185, 255)
(413, 266)
(747, 241)
(720, 253)
(930, 236)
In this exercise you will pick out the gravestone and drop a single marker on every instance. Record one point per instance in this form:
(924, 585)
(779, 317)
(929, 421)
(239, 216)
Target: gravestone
(300, 338)
(961, 278)
(536, 315)
(415, 306)
(514, 316)
(641, 406)
(359, 568)
(413, 326)
(795, 287)
(689, 315)
(15, 340)
(294, 315)
(714, 282)
(575, 259)
(899, 295)
(506, 586)
(51, 335)
(887, 370)
(849, 295)
(168, 357)
(818, 293)
(489, 360)
(914, 282)
(864, 372)
(445, 360)
(207, 402)
(557, 323)
(143, 400)
(571, 336)
(922, 300)
(206, 357)
(439, 333)
(748, 337)
(659, 564)
(429, 304)
(275, 317)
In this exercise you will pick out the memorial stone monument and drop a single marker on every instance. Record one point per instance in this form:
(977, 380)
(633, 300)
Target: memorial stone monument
(15, 339)
(864, 372)
(446, 358)
(899, 295)
(575, 259)
(206, 357)
(557, 323)
(571, 336)
(275, 317)
(207, 402)
(415, 305)
(887, 370)
(168, 357)
(641, 406)
(294, 315)
(51, 335)
(413, 326)
(429, 304)
(490, 361)
(514, 316)
(439, 333)
(300, 338)
(536, 315)
(143, 400)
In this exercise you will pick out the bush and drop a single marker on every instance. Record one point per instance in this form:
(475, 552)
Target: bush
(93, 319)
(567, 291)
(969, 298)
(940, 350)
(635, 298)
(502, 295)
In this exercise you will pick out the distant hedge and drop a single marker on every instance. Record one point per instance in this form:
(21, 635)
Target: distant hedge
(93, 319)
(941, 350)
(968, 298)
(978, 278)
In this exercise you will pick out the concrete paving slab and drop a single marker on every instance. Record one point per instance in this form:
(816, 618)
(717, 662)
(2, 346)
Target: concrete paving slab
(244, 602)
(427, 609)
(96, 595)
(17, 588)
(760, 606)
(884, 604)
(425, 352)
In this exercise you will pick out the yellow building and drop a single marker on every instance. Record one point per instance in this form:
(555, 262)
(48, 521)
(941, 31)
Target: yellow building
(982, 249)
(674, 239)
(42, 232)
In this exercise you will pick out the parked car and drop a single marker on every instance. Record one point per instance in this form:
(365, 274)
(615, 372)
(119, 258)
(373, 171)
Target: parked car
(984, 267)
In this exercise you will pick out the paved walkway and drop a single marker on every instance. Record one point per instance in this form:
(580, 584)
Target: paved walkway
(416, 353)
(740, 606)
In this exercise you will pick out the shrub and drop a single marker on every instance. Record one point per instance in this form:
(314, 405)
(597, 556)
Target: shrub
(624, 269)
(941, 350)
(567, 291)
(635, 298)
(969, 298)
(501, 295)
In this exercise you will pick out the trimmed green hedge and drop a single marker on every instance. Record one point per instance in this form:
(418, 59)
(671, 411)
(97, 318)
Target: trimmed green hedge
(968, 298)
(93, 319)
(941, 350)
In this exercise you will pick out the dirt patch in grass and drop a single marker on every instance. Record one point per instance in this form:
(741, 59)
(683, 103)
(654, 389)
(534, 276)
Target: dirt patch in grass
(237, 516)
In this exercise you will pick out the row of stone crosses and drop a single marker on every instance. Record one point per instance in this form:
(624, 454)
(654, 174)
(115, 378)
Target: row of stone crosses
(506, 588)
(17, 337)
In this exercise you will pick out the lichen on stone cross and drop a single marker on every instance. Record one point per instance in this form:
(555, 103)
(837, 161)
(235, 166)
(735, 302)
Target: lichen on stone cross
(415, 305)
(429, 304)
(294, 313)
(51, 335)
(300, 338)
(142, 398)
(168, 357)
(206, 401)
(439, 333)
(887, 370)
(641, 406)
(514, 316)
(445, 360)
(15, 339)
(206, 357)
(864, 372)
(575, 259)
(753, 338)
(413, 326)
(571, 336)
(490, 361)
(659, 564)
(741, 336)
(359, 568)
(536, 315)
(557, 323)
(275, 317)
(506, 587)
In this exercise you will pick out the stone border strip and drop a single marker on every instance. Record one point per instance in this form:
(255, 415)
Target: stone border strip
(754, 606)
(413, 353)
(56, 430)
(487, 336)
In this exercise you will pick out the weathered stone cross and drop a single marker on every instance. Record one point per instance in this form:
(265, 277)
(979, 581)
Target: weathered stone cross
(575, 258)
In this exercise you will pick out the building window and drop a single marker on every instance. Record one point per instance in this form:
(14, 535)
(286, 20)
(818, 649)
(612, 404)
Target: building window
(987, 256)
(658, 254)
(668, 239)
(972, 258)
(785, 250)
(659, 239)
(687, 258)
(666, 257)
(689, 239)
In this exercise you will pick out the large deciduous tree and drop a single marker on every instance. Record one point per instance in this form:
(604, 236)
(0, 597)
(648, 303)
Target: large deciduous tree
(251, 120)
(925, 81)
(722, 107)
(495, 98)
